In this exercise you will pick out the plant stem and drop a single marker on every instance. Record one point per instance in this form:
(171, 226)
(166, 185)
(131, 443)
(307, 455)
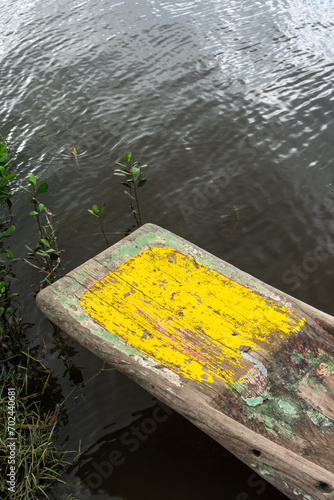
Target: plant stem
(104, 234)
(47, 263)
(139, 223)
(37, 216)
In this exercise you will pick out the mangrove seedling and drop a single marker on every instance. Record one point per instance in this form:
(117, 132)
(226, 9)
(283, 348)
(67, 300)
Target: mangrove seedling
(133, 181)
(5, 177)
(10, 318)
(98, 213)
(46, 254)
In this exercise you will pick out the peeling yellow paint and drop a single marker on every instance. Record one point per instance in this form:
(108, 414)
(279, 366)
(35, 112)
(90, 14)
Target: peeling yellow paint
(187, 316)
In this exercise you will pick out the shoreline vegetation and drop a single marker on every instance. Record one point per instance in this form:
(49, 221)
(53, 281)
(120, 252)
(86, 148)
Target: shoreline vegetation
(30, 462)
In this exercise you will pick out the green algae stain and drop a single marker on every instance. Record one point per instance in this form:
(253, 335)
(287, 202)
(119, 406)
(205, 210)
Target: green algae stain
(318, 418)
(287, 408)
(278, 416)
(265, 470)
(254, 401)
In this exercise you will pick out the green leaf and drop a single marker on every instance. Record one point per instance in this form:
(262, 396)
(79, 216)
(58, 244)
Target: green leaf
(42, 188)
(42, 253)
(2, 310)
(33, 212)
(117, 171)
(11, 177)
(27, 190)
(9, 254)
(45, 242)
(126, 184)
(143, 166)
(128, 194)
(9, 314)
(95, 210)
(9, 231)
(40, 207)
(32, 180)
(3, 171)
(2, 286)
(127, 157)
(135, 172)
(142, 182)
(91, 212)
(102, 208)
(4, 196)
(13, 295)
(28, 248)
(4, 157)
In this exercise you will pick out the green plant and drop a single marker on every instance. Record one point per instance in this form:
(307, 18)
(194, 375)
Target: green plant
(38, 463)
(133, 181)
(10, 320)
(6, 178)
(46, 254)
(98, 213)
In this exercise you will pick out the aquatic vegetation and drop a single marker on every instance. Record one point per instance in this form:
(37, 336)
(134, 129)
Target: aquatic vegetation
(98, 213)
(10, 319)
(46, 254)
(6, 178)
(133, 181)
(26, 445)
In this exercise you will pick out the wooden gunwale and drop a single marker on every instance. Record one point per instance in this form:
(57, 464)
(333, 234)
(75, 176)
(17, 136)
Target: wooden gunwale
(269, 403)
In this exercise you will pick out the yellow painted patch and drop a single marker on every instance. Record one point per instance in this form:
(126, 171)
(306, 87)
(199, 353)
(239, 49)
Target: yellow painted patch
(185, 315)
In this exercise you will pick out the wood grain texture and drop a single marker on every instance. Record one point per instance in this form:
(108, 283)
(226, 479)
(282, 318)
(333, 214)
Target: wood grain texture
(249, 365)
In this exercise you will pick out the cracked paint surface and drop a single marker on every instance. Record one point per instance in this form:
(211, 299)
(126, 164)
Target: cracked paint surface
(187, 316)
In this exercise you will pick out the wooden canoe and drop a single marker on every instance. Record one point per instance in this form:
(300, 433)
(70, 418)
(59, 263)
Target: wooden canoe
(248, 364)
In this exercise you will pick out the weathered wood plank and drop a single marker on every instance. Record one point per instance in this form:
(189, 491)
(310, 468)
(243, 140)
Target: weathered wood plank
(246, 363)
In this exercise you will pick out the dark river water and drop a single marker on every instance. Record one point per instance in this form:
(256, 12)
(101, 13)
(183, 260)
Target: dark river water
(231, 104)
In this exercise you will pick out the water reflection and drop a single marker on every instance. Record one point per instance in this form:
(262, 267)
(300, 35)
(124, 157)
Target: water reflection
(140, 461)
(231, 105)
(312, 21)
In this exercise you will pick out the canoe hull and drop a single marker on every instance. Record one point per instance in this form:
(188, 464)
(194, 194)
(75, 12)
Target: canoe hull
(269, 402)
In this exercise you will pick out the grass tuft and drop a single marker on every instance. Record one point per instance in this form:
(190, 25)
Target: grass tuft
(38, 463)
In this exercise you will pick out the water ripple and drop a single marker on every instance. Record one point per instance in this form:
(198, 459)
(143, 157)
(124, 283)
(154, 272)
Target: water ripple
(202, 91)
